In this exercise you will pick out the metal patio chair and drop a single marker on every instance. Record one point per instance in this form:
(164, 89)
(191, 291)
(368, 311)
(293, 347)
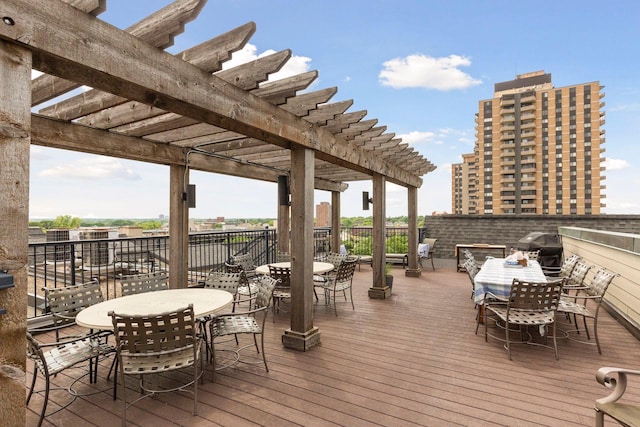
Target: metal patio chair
(529, 305)
(251, 322)
(585, 302)
(340, 282)
(154, 344)
(145, 282)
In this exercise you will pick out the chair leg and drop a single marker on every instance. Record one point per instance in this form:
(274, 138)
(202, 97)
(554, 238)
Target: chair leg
(353, 307)
(33, 384)
(595, 333)
(264, 356)
(555, 342)
(507, 337)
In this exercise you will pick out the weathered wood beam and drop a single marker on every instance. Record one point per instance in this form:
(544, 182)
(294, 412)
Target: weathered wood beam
(343, 121)
(327, 112)
(209, 55)
(60, 134)
(301, 105)
(152, 76)
(158, 29)
(246, 76)
(277, 92)
(357, 129)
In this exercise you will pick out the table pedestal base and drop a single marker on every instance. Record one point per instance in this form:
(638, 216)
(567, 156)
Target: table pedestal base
(380, 293)
(302, 341)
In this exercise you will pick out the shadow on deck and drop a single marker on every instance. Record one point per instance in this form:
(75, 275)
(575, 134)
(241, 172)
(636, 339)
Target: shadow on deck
(410, 360)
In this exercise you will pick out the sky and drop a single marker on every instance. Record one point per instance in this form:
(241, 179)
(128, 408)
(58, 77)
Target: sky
(418, 66)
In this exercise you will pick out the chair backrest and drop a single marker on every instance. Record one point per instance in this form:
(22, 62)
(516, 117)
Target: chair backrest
(173, 332)
(532, 255)
(265, 286)
(65, 303)
(346, 270)
(147, 282)
(431, 243)
(468, 254)
(578, 274)
(283, 274)
(598, 285)
(534, 296)
(245, 260)
(223, 280)
(283, 257)
(568, 265)
(335, 259)
(471, 267)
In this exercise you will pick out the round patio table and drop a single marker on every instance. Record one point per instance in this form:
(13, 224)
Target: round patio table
(205, 302)
(318, 267)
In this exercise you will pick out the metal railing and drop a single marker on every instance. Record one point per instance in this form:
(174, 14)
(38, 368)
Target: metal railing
(66, 263)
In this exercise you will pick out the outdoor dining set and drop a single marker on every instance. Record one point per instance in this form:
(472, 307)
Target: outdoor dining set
(520, 301)
(152, 329)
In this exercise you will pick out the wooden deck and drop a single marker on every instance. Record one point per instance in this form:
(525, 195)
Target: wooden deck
(410, 360)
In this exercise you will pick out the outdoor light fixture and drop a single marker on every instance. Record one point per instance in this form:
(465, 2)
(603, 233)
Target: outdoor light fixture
(366, 200)
(190, 196)
(283, 190)
(6, 282)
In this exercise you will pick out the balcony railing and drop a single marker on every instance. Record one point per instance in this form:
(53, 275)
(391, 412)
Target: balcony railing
(66, 263)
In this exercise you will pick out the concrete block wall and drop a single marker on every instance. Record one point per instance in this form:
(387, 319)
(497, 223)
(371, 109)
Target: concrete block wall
(507, 230)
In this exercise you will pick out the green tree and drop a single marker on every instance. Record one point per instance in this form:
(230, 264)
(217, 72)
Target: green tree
(66, 221)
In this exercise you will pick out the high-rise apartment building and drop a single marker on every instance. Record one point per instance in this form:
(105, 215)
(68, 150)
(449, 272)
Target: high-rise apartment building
(323, 214)
(538, 151)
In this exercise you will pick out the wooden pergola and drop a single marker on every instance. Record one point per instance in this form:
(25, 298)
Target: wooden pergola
(182, 110)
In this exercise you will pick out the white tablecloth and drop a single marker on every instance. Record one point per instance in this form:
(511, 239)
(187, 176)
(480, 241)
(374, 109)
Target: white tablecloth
(496, 277)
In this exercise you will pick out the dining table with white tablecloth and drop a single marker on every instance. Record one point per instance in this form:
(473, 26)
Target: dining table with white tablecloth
(496, 277)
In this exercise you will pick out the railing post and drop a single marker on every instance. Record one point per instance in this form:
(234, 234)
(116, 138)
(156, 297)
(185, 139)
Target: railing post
(72, 254)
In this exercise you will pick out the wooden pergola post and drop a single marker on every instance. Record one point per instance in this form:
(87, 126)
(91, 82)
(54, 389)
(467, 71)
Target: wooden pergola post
(282, 229)
(178, 227)
(380, 290)
(15, 140)
(302, 335)
(335, 221)
(413, 269)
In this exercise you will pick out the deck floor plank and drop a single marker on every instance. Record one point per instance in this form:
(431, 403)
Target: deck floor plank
(411, 360)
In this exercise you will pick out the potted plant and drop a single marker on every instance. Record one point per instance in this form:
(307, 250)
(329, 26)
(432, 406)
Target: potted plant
(388, 276)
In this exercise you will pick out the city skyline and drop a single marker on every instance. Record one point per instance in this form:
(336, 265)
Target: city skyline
(418, 67)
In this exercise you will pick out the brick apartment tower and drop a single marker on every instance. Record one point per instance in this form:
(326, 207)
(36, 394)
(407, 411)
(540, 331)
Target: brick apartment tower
(323, 214)
(537, 151)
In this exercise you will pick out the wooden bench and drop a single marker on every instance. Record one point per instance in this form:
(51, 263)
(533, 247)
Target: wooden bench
(390, 258)
(398, 259)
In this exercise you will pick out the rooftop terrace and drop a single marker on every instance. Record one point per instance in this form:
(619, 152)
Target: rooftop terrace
(409, 360)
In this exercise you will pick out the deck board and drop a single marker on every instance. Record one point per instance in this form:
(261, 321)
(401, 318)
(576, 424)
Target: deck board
(410, 360)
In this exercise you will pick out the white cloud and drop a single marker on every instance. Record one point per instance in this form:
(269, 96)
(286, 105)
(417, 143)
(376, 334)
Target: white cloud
(417, 137)
(616, 164)
(95, 168)
(294, 66)
(427, 72)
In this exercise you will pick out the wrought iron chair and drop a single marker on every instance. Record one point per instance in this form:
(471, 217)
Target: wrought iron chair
(65, 303)
(246, 288)
(578, 274)
(154, 344)
(472, 269)
(146, 282)
(251, 322)
(341, 282)
(282, 290)
(530, 304)
(615, 379)
(247, 263)
(283, 257)
(52, 358)
(331, 258)
(427, 246)
(592, 293)
(564, 270)
(532, 255)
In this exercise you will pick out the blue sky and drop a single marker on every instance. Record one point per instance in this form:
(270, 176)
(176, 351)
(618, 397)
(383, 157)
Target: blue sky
(419, 67)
